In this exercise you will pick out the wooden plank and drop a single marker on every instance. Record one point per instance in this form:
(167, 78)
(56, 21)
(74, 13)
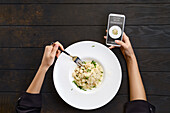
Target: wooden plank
(25, 58)
(148, 59)
(8, 102)
(84, 14)
(155, 83)
(52, 103)
(84, 1)
(19, 80)
(39, 36)
(30, 58)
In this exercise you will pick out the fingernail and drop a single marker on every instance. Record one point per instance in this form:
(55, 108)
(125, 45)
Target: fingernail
(116, 40)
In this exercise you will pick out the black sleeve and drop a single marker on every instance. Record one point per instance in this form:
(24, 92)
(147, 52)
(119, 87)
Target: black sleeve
(139, 106)
(29, 103)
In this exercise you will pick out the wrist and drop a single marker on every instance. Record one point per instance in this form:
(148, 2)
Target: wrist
(42, 67)
(131, 58)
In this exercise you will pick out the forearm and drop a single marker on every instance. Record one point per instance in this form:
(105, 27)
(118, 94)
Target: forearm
(37, 82)
(137, 91)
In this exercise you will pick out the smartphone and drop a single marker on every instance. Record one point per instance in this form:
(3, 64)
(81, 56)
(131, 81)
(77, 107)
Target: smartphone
(115, 28)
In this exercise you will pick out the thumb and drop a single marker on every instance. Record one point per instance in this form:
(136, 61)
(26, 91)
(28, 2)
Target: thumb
(54, 50)
(120, 43)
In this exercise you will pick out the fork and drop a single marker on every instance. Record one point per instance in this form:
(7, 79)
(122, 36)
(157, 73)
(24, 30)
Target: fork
(76, 59)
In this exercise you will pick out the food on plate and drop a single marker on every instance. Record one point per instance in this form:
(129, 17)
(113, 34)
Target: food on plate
(115, 31)
(88, 76)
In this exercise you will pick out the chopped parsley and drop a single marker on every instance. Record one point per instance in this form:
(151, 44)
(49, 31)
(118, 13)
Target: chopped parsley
(94, 63)
(84, 62)
(83, 89)
(78, 86)
(101, 71)
(86, 77)
(88, 70)
(93, 46)
(75, 83)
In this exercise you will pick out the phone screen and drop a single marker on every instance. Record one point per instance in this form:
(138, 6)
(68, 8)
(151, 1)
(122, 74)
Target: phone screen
(115, 29)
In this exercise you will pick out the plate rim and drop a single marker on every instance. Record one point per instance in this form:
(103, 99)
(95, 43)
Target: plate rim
(105, 103)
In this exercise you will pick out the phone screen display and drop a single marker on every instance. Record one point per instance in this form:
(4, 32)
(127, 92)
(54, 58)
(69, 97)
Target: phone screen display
(115, 29)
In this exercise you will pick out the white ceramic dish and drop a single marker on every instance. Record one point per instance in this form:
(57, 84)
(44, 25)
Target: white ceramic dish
(91, 99)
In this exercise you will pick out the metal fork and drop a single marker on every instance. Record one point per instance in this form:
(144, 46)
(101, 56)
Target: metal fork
(76, 59)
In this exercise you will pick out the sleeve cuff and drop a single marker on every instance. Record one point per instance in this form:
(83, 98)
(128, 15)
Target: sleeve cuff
(30, 100)
(139, 106)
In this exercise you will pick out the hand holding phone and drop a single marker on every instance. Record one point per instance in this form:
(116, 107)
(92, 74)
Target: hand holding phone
(115, 28)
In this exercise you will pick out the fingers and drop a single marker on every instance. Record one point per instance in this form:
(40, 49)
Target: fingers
(48, 49)
(111, 47)
(121, 43)
(60, 45)
(125, 37)
(105, 37)
(54, 50)
(58, 53)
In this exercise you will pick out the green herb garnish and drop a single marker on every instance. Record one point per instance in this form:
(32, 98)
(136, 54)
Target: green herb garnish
(93, 46)
(88, 70)
(86, 77)
(75, 83)
(83, 89)
(84, 62)
(78, 86)
(101, 71)
(94, 63)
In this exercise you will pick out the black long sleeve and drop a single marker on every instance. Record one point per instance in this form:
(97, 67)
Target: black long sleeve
(139, 106)
(29, 103)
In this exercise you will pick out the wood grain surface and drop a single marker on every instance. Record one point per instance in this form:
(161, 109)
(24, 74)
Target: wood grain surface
(20, 80)
(39, 36)
(84, 14)
(30, 58)
(27, 26)
(83, 1)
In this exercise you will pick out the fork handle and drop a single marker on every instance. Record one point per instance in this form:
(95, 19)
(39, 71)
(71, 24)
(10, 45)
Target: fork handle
(64, 52)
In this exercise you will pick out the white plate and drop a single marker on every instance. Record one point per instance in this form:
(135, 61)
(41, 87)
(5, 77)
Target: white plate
(87, 100)
(113, 35)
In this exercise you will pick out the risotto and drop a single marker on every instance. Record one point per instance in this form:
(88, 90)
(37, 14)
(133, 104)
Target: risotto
(88, 76)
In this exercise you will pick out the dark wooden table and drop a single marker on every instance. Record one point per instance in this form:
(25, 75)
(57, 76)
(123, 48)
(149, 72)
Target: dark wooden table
(26, 26)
